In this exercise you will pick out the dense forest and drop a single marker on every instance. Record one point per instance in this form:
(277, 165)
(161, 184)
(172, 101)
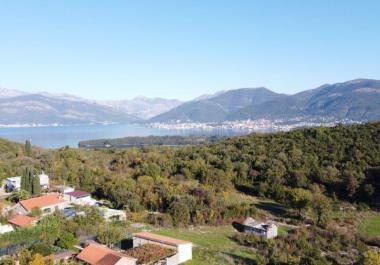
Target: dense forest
(195, 184)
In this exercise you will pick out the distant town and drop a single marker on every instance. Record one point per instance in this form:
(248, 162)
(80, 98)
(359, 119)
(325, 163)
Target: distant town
(259, 125)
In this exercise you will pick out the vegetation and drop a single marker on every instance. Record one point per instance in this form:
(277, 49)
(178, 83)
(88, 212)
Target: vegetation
(302, 176)
(370, 226)
(147, 141)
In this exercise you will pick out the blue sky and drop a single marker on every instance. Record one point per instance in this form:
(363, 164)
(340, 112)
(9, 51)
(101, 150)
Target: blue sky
(183, 49)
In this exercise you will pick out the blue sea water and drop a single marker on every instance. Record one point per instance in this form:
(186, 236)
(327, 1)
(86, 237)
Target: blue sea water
(60, 136)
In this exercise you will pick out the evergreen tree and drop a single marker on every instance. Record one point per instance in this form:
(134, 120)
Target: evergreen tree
(28, 148)
(36, 186)
(23, 179)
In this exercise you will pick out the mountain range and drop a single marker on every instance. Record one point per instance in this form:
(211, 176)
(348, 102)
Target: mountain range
(18, 107)
(357, 100)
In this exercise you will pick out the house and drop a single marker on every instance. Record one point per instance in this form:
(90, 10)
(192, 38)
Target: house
(64, 189)
(14, 183)
(267, 230)
(96, 254)
(47, 204)
(6, 228)
(112, 214)
(21, 221)
(44, 180)
(79, 197)
(183, 248)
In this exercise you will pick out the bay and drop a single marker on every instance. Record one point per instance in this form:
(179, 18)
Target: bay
(60, 136)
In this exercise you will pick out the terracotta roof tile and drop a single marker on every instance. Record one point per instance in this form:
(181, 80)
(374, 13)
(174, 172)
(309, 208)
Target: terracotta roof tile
(43, 201)
(96, 254)
(22, 220)
(109, 259)
(161, 239)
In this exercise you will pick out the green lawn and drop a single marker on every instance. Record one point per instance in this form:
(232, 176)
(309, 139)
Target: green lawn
(370, 226)
(212, 245)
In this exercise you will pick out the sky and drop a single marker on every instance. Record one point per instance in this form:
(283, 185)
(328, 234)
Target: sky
(182, 49)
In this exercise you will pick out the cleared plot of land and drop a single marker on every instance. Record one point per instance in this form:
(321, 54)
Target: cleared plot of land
(212, 245)
(370, 226)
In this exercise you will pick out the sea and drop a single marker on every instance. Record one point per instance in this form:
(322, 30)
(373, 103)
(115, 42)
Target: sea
(61, 136)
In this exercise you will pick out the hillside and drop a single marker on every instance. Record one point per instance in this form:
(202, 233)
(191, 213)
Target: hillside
(45, 109)
(219, 107)
(357, 100)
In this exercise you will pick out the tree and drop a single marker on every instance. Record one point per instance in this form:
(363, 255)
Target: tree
(37, 260)
(19, 196)
(66, 240)
(180, 213)
(371, 257)
(36, 212)
(27, 180)
(36, 186)
(321, 207)
(109, 235)
(28, 148)
(299, 199)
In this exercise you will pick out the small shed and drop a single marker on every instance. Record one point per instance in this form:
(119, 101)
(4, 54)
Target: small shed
(267, 230)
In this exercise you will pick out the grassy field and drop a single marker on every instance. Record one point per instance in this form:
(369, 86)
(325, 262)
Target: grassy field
(370, 226)
(212, 245)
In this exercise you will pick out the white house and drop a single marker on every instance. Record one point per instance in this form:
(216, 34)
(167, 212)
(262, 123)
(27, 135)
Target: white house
(184, 249)
(109, 214)
(47, 204)
(79, 197)
(14, 183)
(44, 180)
(64, 189)
(264, 229)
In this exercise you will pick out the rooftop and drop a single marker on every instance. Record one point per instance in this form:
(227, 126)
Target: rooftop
(78, 194)
(149, 253)
(96, 254)
(17, 178)
(43, 201)
(250, 222)
(22, 220)
(161, 239)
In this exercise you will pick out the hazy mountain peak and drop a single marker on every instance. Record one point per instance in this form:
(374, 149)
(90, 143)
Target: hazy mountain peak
(7, 93)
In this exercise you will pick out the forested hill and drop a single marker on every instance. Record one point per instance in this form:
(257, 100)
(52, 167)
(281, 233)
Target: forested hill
(341, 162)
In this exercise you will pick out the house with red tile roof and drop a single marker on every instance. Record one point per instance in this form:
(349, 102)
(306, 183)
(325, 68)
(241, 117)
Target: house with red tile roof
(96, 254)
(21, 221)
(47, 204)
(183, 248)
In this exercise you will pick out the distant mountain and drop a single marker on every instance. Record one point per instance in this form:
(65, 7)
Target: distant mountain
(45, 109)
(143, 107)
(18, 107)
(218, 107)
(357, 100)
(8, 93)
